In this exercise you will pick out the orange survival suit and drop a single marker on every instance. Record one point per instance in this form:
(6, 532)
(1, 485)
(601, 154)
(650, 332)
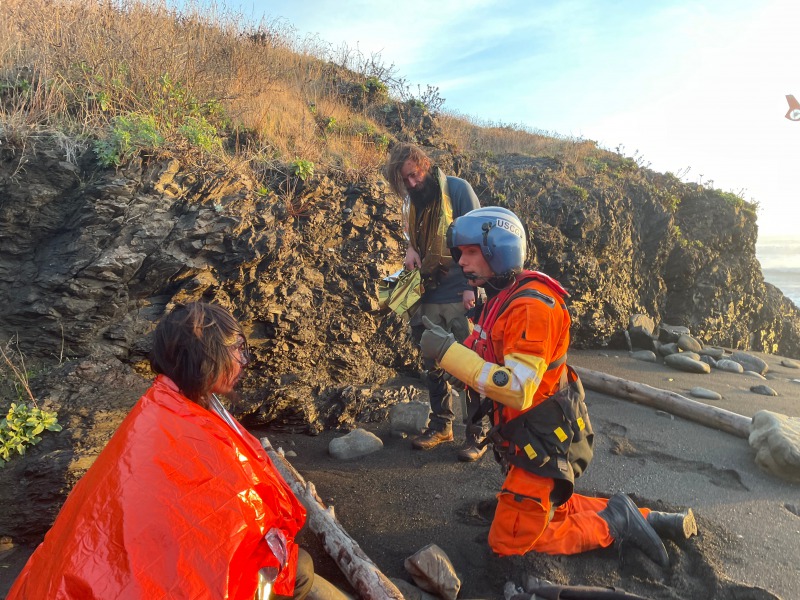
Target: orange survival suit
(542, 434)
(176, 506)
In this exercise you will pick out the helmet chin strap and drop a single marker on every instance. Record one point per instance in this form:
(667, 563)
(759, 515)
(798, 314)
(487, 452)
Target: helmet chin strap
(499, 283)
(496, 282)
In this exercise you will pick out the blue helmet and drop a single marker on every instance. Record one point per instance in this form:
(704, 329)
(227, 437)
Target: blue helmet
(497, 231)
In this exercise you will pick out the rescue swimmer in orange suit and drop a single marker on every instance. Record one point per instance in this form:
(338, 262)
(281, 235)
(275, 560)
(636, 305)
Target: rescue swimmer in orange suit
(515, 359)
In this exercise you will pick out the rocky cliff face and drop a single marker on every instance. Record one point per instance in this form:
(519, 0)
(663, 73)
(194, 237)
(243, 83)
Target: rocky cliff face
(626, 240)
(90, 259)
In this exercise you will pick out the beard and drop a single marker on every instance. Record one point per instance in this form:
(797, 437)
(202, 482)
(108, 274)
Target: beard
(426, 192)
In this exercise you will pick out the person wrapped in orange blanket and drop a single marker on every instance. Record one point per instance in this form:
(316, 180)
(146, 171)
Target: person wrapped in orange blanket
(182, 502)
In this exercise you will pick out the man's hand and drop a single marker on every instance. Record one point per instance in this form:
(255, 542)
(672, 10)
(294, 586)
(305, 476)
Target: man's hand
(468, 298)
(435, 341)
(412, 260)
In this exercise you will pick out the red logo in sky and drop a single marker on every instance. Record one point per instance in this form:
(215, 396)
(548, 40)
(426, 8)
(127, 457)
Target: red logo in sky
(794, 109)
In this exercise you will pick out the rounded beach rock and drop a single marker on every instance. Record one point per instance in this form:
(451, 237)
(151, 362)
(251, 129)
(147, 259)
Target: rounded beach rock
(356, 443)
(667, 349)
(754, 374)
(776, 440)
(705, 394)
(750, 362)
(709, 360)
(714, 352)
(685, 363)
(688, 344)
(764, 390)
(644, 355)
(730, 366)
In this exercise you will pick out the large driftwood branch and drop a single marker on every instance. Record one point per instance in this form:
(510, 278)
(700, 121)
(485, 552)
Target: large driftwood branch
(361, 572)
(711, 416)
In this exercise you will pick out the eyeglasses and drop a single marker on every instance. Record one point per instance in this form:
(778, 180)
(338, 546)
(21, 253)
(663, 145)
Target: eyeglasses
(243, 352)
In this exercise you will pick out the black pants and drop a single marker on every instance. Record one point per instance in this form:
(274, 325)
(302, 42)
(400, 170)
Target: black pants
(304, 579)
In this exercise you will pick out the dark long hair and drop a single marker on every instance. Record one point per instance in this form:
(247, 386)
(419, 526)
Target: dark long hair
(397, 158)
(192, 346)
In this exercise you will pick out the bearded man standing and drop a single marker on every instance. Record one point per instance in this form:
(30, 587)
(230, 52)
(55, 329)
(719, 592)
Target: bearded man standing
(432, 201)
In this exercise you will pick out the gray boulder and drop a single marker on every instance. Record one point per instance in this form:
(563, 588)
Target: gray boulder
(730, 366)
(667, 349)
(409, 417)
(750, 362)
(755, 375)
(432, 571)
(776, 440)
(713, 351)
(356, 443)
(644, 355)
(705, 394)
(688, 344)
(671, 333)
(764, 390)
(686, 363)
(640, 331)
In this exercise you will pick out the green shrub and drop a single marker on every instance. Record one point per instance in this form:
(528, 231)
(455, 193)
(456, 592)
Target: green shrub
(579, 192)
(376, 86)
(128, 134)
(596, 164)
(329, 125)
(200, 133)
(416, 103)
(381, 141)
(21, 427)
(303, 169)
(19, 86)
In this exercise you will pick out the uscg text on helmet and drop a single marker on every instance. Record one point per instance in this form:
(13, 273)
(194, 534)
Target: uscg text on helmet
(509, 226)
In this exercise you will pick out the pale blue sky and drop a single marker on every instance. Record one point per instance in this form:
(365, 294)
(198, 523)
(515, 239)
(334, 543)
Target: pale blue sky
(686, 83)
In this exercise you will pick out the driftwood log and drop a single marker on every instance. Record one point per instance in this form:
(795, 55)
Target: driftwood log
(710, 416)
(361, 572)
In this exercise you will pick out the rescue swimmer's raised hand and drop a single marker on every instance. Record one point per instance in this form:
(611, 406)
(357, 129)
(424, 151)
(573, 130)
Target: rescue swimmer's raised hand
(435, 341)
(412, 260)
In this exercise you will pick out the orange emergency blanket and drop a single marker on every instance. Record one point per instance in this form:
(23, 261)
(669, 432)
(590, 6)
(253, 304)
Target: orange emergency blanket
(176, 506)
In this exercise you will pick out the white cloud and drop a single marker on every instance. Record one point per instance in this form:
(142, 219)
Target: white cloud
(688, 84)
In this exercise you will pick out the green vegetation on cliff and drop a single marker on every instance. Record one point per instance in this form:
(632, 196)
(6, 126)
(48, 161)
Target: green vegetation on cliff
(138, 76)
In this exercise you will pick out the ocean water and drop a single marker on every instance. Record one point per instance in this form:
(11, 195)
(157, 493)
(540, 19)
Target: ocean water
(780, 264)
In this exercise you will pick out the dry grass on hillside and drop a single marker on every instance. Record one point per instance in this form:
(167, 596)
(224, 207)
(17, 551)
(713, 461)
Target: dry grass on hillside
(139, 74)
(80, 67)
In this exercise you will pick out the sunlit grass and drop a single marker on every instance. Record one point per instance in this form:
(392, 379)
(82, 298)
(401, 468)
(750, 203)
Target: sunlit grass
(201, 76)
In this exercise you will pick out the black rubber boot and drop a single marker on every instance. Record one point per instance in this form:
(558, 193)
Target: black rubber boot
(627, 524)
(472, 449)
(673, 526)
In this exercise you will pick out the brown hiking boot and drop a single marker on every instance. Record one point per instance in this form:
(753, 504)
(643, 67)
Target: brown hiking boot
(471, 452)
(432, 438)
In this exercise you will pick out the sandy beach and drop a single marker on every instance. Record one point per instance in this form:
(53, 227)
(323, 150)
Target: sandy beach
(398, 500)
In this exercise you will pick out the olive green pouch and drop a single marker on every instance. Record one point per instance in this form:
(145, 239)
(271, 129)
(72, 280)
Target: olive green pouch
(401, 292)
